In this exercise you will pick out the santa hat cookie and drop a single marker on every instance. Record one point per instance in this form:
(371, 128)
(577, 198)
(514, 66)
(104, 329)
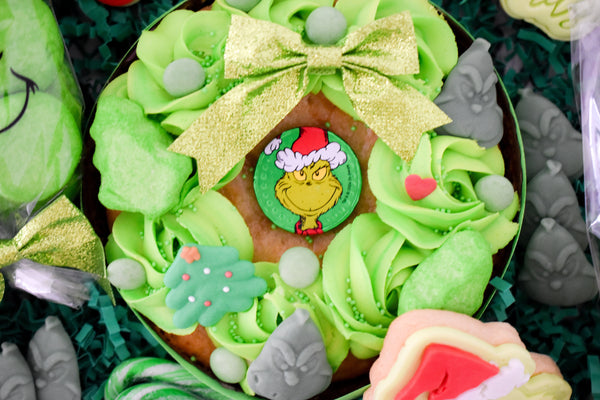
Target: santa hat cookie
(311, 146)
(437, 355)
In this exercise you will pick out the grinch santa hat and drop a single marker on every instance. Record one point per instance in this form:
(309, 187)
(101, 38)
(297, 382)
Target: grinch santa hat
(311, 146)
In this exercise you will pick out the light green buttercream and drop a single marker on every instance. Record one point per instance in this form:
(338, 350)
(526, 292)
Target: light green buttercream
(200, 36)
(380, 251)
(368, 254)
(208, 219)
(245, 333)
(452, 205)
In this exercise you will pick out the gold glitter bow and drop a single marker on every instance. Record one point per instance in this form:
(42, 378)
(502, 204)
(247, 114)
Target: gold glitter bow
(60, 236)
(274, 64)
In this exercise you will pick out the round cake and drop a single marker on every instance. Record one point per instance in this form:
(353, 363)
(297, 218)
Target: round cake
(284, 178)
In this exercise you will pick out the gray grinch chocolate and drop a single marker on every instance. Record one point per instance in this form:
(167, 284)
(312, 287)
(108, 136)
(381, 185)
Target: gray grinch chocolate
(555, 270)
(548, 135)
(550, 194)
(16, 382)
(293, 364)
(54, 363)
(469, 98)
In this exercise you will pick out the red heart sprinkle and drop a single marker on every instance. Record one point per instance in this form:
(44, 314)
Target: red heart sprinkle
(418, 188)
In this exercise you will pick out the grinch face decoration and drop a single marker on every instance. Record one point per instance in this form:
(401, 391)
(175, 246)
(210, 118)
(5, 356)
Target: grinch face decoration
(295, 191)
(320, 184)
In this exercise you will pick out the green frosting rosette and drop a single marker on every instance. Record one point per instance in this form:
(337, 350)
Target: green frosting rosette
(455, 163)
(367, 263)
(208, 219)
(199, 36)
(245, 333)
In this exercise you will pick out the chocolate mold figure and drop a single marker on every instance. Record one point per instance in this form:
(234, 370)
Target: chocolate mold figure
(548, 135)
(16, 382)
(54, 363)
(469, 98)
(555, 270)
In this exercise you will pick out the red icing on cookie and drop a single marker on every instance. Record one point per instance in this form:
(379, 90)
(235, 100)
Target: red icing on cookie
(446, 372)
(418, 188)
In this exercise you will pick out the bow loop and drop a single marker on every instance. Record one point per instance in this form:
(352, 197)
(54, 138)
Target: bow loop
(387, 45)
(60, 236)
(275, 66)
(9, 252)
(255, 48)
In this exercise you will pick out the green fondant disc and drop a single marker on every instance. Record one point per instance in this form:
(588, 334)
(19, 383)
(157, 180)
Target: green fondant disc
(307, 181)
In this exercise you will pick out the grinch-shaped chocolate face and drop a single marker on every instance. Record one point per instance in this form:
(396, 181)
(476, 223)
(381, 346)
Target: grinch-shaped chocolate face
(16, 382)
(469, 98)
(550, 194)
(555, 270)
(548, 135)
(54, 363)
(309, 192)
(293, 363)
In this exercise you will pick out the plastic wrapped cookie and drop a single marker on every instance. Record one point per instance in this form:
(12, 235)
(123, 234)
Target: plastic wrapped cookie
(40, 138)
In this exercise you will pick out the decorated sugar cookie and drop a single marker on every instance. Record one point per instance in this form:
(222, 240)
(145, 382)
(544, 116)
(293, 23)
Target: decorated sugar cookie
(435, 355)
(551, 16)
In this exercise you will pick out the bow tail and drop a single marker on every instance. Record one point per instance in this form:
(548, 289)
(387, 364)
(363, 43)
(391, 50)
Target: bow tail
(228, 130)
(399, 115)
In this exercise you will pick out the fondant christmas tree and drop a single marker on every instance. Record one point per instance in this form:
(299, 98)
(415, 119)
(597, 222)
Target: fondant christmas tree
(207, 282)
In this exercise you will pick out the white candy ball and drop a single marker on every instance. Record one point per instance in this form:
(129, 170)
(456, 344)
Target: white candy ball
(183, 76)
(495, 191)
(325, 26)
(299, 267)
(227, 366)
(125, 273)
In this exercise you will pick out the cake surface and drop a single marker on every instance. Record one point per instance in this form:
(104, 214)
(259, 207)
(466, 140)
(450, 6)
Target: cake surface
(405, 214)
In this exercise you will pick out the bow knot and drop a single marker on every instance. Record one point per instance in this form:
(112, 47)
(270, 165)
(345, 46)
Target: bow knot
(60, 236)
(324, 60)
(276, 66)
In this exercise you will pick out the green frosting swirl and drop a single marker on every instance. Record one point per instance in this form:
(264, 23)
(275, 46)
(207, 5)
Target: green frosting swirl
(380, 251)
(200, 36)
(208, 219)
(245, 333)
(455, 163)
(367, 254)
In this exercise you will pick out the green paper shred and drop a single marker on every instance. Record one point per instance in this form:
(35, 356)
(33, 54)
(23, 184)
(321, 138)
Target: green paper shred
(538, 38)
(594, 367)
